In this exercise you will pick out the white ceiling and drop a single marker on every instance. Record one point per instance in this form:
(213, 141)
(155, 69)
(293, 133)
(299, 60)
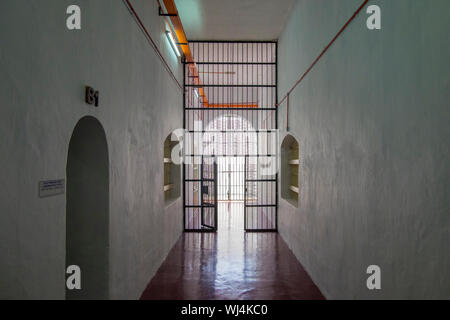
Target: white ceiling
(233, 19)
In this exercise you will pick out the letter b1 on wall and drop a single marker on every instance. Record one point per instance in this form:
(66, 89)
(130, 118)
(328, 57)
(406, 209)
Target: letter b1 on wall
(92, 96)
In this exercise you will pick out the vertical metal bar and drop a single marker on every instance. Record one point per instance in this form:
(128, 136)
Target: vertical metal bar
(216, 222)
(184, 164)
(201, 193)
(276, 122)
(245, 193)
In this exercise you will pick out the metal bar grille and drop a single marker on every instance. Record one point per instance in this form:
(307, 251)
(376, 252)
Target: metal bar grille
(230, 94)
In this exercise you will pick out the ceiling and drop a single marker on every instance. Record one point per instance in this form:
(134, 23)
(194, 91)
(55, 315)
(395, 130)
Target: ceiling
(233, 19)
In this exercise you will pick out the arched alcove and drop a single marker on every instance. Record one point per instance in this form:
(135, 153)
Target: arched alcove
(289, 170)
(172, 171)
(87, 209)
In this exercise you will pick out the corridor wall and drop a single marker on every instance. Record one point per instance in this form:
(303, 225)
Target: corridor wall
(372, 123)
(44, 71)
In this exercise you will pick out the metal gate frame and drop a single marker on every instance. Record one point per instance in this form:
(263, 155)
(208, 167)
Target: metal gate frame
(246, 180)
(247, 206)
(208, 187)
(235, 172)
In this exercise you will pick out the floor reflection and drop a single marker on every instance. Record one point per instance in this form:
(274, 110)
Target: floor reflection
(231, 264)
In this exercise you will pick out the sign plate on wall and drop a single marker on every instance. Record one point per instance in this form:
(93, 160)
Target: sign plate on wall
(51, 188)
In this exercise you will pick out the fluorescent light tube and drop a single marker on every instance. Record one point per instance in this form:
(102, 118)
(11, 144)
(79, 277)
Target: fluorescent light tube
(173, 43)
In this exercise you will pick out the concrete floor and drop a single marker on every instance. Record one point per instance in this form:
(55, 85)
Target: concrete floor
(231, 264)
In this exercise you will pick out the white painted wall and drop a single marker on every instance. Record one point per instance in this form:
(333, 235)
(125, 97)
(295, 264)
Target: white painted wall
(44, 68)
(372, 121)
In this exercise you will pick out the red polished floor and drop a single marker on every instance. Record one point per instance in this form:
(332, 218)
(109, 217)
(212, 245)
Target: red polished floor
(231, 264)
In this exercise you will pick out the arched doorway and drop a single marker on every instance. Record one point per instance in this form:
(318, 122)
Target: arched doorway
(87, 209)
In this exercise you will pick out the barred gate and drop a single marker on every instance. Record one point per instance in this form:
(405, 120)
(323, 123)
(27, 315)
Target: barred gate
(230, 117)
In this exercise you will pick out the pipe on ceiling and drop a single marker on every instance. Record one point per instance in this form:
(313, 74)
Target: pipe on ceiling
(174, 17)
